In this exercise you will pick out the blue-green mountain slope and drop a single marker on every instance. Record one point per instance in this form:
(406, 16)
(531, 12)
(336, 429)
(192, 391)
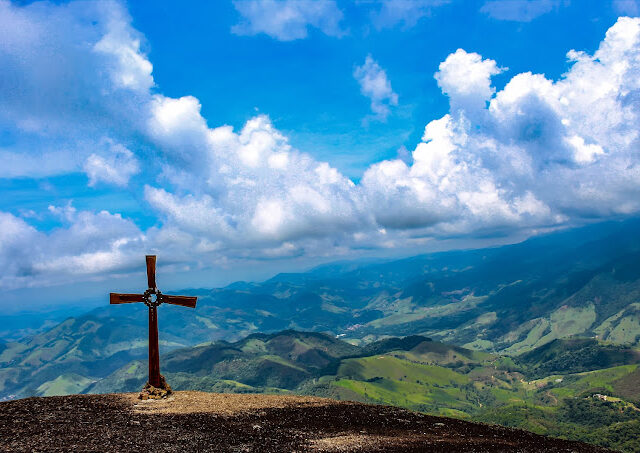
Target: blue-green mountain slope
(506, 300)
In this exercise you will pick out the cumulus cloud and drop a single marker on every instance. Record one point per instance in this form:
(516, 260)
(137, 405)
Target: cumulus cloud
(519, 10)
(540, 153)
(537, 153)
(87, 244)
(287, 20)
(15, 237)
(375, 85)
(255, 188)
(115, 166)
(71, 75)
(406, 12)
(121, 45)
(466, 79)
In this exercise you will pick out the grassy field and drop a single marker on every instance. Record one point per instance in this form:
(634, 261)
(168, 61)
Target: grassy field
(66, 384)
(601, 406)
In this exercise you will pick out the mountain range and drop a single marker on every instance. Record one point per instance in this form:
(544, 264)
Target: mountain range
(491, 334)
(506, 300)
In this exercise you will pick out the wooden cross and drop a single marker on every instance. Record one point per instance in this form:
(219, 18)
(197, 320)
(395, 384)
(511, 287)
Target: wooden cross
(152, 297)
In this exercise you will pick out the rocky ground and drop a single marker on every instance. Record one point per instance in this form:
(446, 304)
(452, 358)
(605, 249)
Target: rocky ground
(195, 421)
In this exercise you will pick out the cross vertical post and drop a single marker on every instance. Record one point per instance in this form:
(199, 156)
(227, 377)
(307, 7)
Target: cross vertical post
(152, 298)
(154, 349)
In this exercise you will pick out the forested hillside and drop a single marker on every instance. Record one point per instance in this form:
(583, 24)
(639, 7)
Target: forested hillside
(557, 389)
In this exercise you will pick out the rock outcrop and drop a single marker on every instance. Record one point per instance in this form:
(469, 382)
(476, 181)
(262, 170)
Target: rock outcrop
(197, 421)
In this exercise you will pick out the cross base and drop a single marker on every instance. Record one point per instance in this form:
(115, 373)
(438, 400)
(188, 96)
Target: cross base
(155, 393)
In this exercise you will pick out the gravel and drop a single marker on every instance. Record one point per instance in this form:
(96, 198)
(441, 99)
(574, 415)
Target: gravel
(196, 421)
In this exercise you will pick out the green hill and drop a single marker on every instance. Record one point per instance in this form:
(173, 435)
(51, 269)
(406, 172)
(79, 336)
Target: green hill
(540, 390)
(425, 375)
(576, 355)
(258, 362)
(88, 347)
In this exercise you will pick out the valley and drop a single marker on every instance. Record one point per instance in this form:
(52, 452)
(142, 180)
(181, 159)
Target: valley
(541, 335)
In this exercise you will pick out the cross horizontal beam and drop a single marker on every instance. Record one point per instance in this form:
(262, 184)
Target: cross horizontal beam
(115, 298)
(185, 301)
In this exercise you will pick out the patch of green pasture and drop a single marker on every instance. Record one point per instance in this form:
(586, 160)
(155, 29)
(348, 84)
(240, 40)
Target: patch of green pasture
(11, 351)
(254, 345)
(626, 331)
(574, 384)
(385, 366)
(279, 360)
(328, 306)
(66, 384)
(562, 323)
(479, 345)
(135, 366)
(407, 394)
(533, 336)
(568, 321)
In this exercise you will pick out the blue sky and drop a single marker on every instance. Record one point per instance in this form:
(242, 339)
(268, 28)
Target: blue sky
(194, 52)
(237, 139)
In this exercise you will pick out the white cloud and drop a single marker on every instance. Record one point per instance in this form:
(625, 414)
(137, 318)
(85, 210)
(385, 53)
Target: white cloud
(87, 244)
(116, 166)
(519, 10)
(543, 151)
(121, 43)
(375, 85)
(466, 79)
(287, 20)
(537, 153)
(584, 153)
(195, 215)
(254, 188)
(15, 257)
(405, 12)
(70, 73)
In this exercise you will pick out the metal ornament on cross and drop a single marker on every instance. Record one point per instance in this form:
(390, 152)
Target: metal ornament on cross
(153, 298)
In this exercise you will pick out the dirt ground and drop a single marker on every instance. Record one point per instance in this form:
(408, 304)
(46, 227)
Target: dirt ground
(196, 421)
(219, 403)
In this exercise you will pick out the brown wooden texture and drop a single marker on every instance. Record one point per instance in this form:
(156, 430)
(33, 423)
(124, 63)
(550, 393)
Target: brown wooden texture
(185, 301)
(151, 271)
(154, 352)
(115, 298)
